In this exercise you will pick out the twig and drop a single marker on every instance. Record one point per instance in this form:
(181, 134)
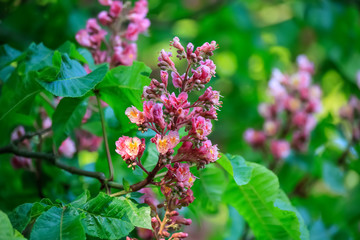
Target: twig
(108, 155)
(148, 180)
(31, 135)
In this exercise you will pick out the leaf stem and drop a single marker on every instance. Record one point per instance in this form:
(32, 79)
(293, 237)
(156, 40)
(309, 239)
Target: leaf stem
(108, 155)
(43, 95)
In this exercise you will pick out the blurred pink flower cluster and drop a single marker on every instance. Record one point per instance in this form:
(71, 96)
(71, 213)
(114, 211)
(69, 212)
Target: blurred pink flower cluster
(124, 23)
(166, 113)
(290, 117)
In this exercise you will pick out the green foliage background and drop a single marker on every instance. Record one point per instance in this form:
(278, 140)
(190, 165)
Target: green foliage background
(253, 37)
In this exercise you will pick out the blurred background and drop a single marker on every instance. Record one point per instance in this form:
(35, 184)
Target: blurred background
(254, 36)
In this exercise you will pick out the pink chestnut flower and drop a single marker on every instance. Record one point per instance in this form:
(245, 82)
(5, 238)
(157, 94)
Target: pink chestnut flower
(135, 115)
(139, 11)
(125, 55)
(92, 26)
(83, 38)
(164, 77)
(206, 49)
(202, 73)
(104, 18)
(167, 142)
(201, 127)
(115, 9)
(177, 80)
(165, 61)
(130, 148)
(255, 138)
(135, 28)
(210, 96)
(176, 44)
(172, 102)
(88, 141)
(67, 148)
(271, 127)
(300, 80)
(304, 64)
(182, 175)
(46, 123)
(17, 133)
(292, 104)
(105, 2)
(280, 149)
(299, 119)
(18, 162)
(210, 64)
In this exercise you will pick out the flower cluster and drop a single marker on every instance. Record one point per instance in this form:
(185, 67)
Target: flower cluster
(291, 113)
(166, 113)
(124, 23)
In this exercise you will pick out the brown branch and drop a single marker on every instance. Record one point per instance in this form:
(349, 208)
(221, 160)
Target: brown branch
(52, 159)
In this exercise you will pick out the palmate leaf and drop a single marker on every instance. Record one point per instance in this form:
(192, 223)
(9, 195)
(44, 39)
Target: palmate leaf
(122, 87)
(256, 195)
(67, 117)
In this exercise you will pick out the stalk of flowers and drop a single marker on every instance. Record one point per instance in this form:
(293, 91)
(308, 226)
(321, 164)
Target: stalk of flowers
(124, 23)
(166, 113)
(290, 117)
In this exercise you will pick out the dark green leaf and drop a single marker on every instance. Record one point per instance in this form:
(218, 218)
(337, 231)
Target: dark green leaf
(122, 87)
(67, 117)
(72, 80)
(20, 217)
(58, 223)
(105, 218)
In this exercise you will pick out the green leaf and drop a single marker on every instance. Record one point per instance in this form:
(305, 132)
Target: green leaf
(8, 55)
(6, 230)
(58, 223)
(72, 81)
(259, 200)
(67, 117)
(333, 177)
(122, 87)
(105, 218)
(81, 200)
(139, 214)
(11, 101)
(209, 187)
(126, 185)
(20, 217)
(38, 57)
(70, 48)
